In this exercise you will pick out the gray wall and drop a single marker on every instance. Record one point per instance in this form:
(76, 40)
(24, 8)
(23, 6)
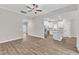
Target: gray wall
(10, 25)
(76, 27)
(36, 27)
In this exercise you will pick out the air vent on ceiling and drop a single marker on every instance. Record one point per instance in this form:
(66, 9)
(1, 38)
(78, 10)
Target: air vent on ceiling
(23, 12)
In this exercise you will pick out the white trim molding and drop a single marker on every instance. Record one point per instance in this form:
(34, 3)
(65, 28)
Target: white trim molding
(11, 39)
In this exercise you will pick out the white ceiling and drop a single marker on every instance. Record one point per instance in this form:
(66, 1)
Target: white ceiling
(45, 7)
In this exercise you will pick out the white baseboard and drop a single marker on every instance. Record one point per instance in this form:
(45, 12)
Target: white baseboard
(36, 36)
(11, 39)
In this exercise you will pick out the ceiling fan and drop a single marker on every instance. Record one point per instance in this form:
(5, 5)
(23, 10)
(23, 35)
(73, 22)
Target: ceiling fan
(32, 8)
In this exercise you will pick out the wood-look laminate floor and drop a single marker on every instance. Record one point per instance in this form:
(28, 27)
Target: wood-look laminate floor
(38, 46)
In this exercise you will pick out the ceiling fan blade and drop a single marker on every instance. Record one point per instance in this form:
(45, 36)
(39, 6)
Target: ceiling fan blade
(39, 10)
(23, 12)
(29, 7)
(36, 6)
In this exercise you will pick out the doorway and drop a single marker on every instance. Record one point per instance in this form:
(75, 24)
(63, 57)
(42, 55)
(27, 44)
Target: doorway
(25, 28)
(48, 25)
(54, 29)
